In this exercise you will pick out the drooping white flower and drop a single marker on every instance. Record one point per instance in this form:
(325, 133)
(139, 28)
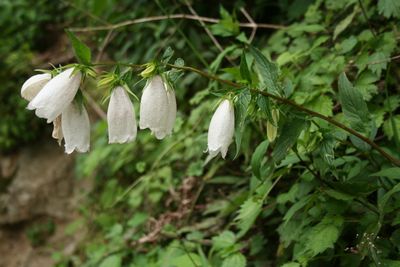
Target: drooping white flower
(221, 129)
(75, 126)
(121, 117)
(33, 85)
(56, 95)
(157, 108)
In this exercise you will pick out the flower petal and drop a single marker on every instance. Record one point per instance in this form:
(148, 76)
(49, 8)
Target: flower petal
(76, 128)
(121, 117)
(56, 95)
(154, 107)
(221, 129)
(33, 85)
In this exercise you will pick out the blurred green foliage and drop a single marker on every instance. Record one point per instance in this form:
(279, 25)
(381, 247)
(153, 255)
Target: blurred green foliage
(314, 197)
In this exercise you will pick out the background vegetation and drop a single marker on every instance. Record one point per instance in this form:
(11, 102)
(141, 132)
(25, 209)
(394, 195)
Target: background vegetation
(315, 196)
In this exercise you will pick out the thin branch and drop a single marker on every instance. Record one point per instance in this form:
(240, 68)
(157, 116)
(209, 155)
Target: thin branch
(172, 16)
(209, 33)
(366, 18)
(298, 107)
(250, 19)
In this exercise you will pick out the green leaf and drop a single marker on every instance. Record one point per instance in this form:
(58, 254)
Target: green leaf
(248, 213)
(365, 84)
(344, 24)
(296, 207)
(383, 201)
(186, 260)
(388, 128)
(168, 53)
(389, 8)
(224, 240)
(377, 67)
(354, 107)
(240, 117)
(112, 261)
(288, 137)
(244, 69)
(257, 157)
(324, 235)
(267, 70)
(81, 51)
(291, 264)
(235, 260)
(391, 173)
(227, 26)
(356, 112)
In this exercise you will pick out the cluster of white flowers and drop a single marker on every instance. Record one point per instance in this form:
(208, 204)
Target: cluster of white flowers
(53, 99)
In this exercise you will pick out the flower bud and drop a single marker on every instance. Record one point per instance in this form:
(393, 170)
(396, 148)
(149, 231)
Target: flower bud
(56, 95)
(33, 85)
(157, 108)
(121, 117)
(75, 128)
(221, 129)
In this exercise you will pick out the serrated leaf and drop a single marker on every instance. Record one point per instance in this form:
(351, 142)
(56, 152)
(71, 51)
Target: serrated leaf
(356, 112)
(323, 235)
(248, 213)
(257, 157)
(81, 51)
(267, 70)
(168, 53)
(365, 84)
(235, 260)
(354, 107)
(380, 63)
(224, 240)
(288, 137)
(389, 8)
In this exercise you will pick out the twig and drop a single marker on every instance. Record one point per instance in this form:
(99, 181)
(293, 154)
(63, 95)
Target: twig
(172, 16)
(209, 33)
(250, 19)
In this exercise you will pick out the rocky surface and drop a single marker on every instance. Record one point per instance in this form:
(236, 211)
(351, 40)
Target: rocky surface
(39, 197)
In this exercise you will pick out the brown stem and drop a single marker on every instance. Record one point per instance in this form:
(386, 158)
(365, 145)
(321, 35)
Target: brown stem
(172, 16)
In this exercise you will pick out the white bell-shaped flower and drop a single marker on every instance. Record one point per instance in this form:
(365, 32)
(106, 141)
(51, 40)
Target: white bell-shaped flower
(75, 127)
(56, 95)
(121, 117)
(33, 85)
(158, 108)
(221, 129)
